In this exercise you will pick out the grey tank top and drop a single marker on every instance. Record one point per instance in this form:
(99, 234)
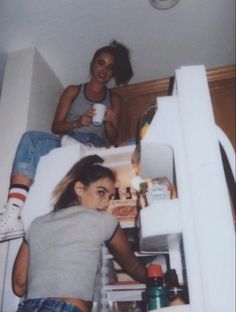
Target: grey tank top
(80, 105)
(64, 252)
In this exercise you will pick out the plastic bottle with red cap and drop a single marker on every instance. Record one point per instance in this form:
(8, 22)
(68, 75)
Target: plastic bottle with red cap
(157, 295)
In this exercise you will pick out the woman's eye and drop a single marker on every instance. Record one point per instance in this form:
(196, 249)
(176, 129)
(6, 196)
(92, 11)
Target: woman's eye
(101, 193)
(100, 62)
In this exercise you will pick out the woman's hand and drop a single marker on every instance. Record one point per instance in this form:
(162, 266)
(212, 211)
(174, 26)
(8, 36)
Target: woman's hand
(86, 118)
(110, 115)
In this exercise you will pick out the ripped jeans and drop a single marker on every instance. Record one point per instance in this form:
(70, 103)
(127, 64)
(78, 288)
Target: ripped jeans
(34, 144)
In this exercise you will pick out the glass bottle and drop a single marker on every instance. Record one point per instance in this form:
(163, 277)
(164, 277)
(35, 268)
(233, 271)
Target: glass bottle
(128, 194)
(117, 193)
(143, 195)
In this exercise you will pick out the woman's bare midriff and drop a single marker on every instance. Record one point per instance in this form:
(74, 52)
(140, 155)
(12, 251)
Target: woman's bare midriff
(83, 305)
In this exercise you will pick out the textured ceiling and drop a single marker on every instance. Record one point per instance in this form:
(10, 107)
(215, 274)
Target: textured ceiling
(67, 32)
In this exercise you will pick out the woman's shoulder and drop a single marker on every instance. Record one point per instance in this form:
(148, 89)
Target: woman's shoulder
(63, 213)
(41, 218)
(36, 223)
(99, 214)
(72, 89)
(70, 92)
(108, 217)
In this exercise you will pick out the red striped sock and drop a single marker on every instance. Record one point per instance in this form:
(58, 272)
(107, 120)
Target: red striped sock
(17, 195)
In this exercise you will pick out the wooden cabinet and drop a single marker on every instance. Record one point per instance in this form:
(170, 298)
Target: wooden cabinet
(222, 90)
(138, 97)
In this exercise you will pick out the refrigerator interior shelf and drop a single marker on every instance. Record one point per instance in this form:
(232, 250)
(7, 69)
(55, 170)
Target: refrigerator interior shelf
(125, 295)
(125, 286)
(159, 242)
(140, 254)
(127, 224)
(160, 225)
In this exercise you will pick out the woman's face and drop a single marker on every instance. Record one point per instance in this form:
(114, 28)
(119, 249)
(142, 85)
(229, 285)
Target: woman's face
(103, 67)
(97, 195)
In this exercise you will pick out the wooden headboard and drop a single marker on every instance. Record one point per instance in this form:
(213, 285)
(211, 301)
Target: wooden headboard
(136, 98)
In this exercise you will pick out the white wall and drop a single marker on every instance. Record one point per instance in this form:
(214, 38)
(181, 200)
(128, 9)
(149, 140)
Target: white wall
(28, 101)
(45, 91)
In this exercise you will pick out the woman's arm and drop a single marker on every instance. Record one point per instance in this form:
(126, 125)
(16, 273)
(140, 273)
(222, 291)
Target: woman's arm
(20, 271)
(60, 125)
(124, 255)
(112, 117)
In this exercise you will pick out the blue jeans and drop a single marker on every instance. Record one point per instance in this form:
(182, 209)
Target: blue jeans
(88, 138)
(46, 305)
(34, 144)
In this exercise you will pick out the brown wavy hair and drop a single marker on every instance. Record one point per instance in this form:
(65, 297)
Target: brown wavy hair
(87, 170)
(123, 71)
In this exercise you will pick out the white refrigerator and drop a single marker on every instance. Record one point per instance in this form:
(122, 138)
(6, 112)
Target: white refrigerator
(182, 144)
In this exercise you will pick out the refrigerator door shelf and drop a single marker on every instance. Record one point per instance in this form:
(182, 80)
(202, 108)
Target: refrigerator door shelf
(159, 243)
(160, 224)
(157, 160)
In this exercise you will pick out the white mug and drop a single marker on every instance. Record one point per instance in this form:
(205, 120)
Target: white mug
(99, 113)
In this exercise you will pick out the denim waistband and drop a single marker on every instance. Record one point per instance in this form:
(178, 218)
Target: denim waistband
(46, 305)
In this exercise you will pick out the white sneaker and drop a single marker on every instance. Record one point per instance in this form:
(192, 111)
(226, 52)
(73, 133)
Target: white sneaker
(11, 225)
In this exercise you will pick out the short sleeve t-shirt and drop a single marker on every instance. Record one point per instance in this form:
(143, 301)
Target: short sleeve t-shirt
(64, 251)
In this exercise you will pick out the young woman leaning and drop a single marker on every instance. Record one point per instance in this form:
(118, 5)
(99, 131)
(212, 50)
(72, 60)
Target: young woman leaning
(57, 262)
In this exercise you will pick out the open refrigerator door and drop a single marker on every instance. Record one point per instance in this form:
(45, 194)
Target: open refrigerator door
(201, 215)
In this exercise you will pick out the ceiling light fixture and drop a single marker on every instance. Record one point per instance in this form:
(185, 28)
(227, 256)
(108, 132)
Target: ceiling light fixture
(163, 4)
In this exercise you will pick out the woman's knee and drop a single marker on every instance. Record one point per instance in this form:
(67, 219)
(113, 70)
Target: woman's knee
(34, 137)
(28, 135)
